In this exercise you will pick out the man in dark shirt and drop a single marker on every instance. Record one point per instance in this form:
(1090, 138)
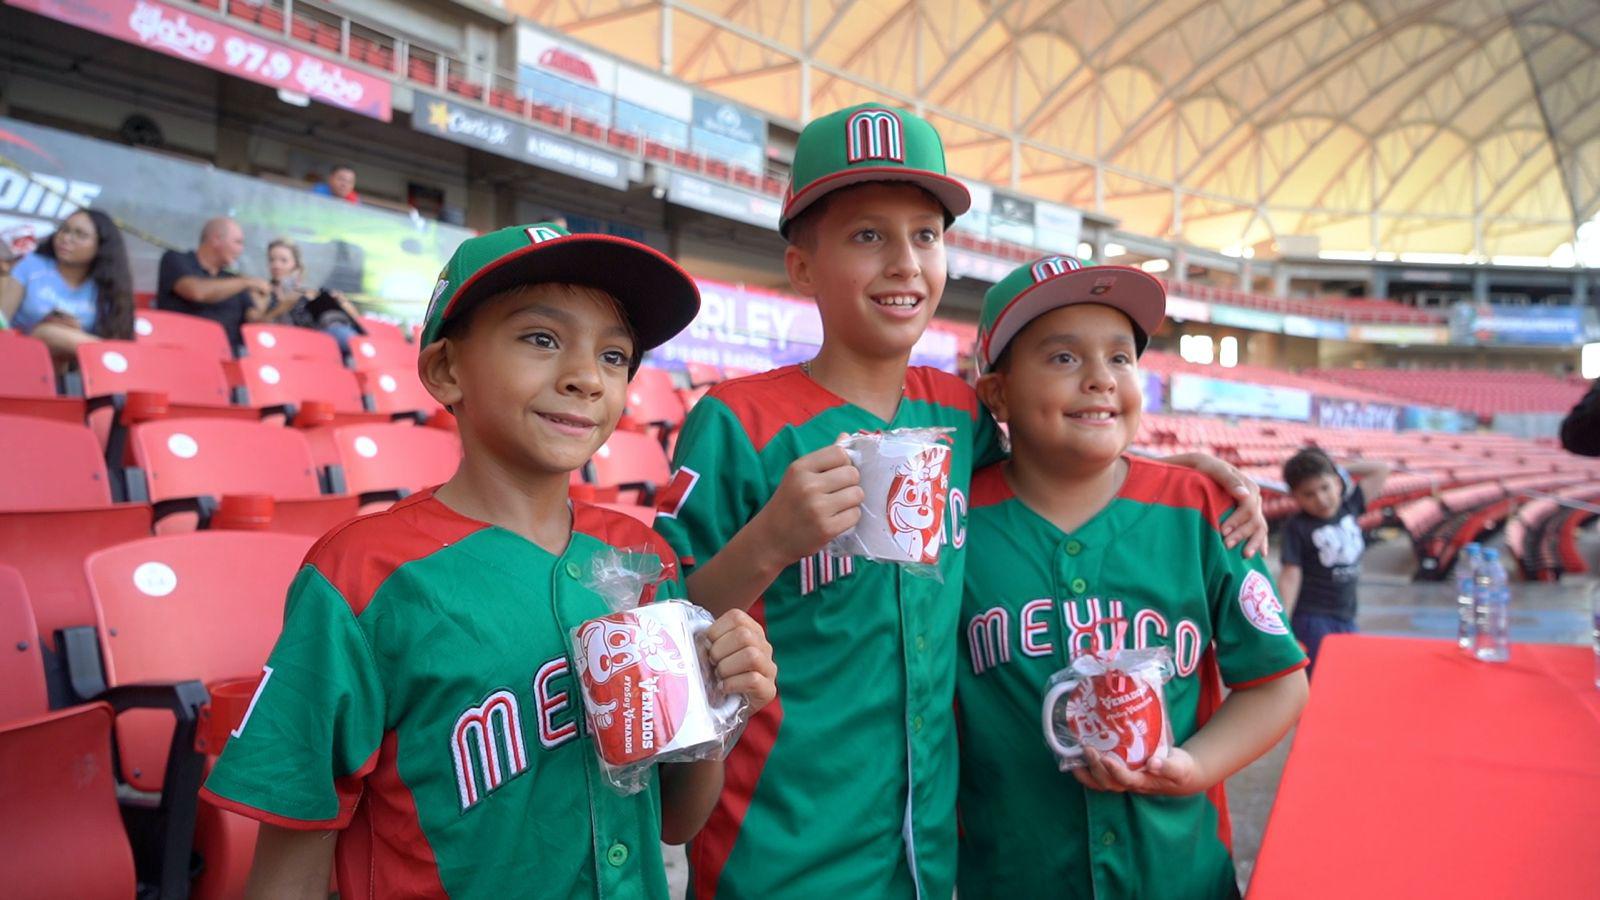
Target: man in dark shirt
(1322, 545)
(201, 282)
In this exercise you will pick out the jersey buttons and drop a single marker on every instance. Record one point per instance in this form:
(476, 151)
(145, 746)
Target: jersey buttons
(617, 855)
(573, 572)
(1074, 548)
(1108, 838)
(1079, 585)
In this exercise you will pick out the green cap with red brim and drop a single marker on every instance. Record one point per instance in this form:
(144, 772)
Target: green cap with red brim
(1047, 284)
(660, 299)
(869, 142)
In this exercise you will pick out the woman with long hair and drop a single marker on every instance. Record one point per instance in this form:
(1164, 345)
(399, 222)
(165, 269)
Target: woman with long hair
(291, 300)
(75, 288)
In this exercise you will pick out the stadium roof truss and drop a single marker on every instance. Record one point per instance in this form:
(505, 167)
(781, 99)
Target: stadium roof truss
(1453, 126)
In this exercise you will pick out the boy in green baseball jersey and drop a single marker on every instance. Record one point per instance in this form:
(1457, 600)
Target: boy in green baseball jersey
(421, 702)
(845, 785)
(1076, 547)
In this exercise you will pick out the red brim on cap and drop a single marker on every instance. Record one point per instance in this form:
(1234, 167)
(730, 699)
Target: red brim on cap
(951, 193)
(1134, 292)
(659, 297)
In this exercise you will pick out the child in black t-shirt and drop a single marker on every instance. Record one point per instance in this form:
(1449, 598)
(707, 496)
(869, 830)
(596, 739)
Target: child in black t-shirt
(1323, 545)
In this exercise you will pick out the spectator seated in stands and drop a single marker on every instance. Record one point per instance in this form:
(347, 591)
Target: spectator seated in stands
(292, 303)
(201, 282)
(340, 184)
(74, 288)
(1580, 430)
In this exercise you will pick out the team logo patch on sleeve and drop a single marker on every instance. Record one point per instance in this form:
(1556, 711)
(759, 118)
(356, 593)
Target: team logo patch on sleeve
(1261, 605)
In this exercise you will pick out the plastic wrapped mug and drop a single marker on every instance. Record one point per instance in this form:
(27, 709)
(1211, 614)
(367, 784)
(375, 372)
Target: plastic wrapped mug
(648, 694)
(905, 476)
(1112, 702)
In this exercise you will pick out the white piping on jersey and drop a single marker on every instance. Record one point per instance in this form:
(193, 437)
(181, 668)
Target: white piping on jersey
(906, 830)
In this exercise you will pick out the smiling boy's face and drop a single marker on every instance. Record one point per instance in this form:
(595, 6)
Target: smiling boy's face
(874, 259)
(1068, 389)
(537, 378)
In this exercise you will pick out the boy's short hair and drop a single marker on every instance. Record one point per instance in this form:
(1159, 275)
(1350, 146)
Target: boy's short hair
(1306, 465)
(802, 230)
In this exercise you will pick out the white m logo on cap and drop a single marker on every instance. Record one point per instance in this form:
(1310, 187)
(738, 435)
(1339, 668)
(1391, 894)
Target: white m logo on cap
(874, 134)
(1053, 266)
(541, 233)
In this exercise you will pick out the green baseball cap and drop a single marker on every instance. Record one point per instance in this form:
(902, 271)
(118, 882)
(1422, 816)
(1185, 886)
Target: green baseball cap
(869, 142)
(658, 296)
(1046, 284)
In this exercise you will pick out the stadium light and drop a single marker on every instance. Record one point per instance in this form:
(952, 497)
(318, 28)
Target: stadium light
(1085, 250)
(1196, 348)
(1228, 352)
(1591, 361)
(1115, 250)
(1155, 266)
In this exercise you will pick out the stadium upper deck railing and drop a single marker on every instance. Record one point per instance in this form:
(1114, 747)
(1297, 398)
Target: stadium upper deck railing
(372, 47)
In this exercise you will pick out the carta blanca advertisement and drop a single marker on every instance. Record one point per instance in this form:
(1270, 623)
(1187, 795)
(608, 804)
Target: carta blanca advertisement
(1494, 323)
(386, 261)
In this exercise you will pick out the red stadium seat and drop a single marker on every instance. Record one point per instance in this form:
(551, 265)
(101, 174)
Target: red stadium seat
(63, 834)
(633, 462)
(278, 341)
(55, 508)
(645, 514)
(383, 331)
(193, 384)
(28, 381)
(397, 391)
(62, 830)
(386, 462)
(189, 634)
(283, 385)
(189, 465)
(373, 353)
(220, 609)
(181, 330)
(702, 373)
(653, 398)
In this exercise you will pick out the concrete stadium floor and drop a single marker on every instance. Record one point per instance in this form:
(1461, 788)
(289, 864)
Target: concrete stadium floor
(1391, 604)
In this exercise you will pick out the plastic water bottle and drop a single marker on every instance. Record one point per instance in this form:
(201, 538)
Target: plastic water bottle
(1493, 639)
(1466, 608)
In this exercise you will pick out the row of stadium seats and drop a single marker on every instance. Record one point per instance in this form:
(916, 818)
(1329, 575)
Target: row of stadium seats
(1542, 535)
(1166, 364)
(100, 770)
(1482, 392)
(1349, 309)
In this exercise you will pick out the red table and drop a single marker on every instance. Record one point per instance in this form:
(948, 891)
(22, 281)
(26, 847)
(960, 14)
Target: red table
(1419, 772)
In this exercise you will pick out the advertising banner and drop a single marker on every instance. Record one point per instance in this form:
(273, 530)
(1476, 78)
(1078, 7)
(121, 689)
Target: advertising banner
(510, 138)
(1433, 418)
(1399, 334)
(1057, 228)
(1333, 412)
(729, 133)
(975, 221)
(653, 108)
(1199, 394)
(1487, 323)
(1152, 392)
(751, 328)
(177, 33)
(388, 261)
(1253, 319)
(967, 264)
(759, 210)
(1011, 219)
(1304, 326)
(566, 76)
(1187, 310)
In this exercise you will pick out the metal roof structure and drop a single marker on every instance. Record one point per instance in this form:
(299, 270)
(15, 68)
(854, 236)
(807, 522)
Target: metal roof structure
(1398, 126)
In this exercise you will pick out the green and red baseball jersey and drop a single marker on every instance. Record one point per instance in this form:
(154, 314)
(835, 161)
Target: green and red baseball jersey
(844, 786)
(1149, 570)
(422, 700)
